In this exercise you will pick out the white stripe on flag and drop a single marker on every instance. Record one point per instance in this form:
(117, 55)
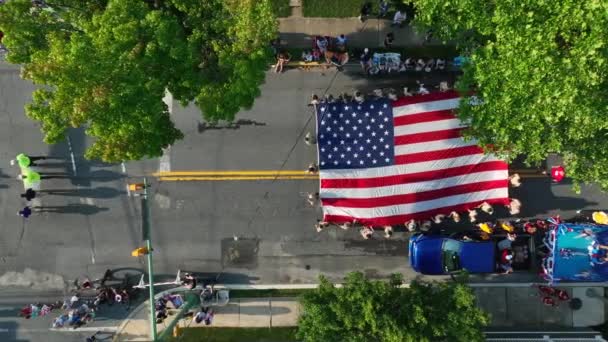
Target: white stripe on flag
(423, 107)
(426, 127)
(412, 208)
(406, 169)
(433, 146)
(402, 189)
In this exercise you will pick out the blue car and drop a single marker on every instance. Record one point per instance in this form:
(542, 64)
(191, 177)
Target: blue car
(434, 255)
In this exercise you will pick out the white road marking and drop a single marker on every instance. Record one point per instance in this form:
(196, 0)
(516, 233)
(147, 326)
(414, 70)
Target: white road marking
(72, 155)
(124, 168)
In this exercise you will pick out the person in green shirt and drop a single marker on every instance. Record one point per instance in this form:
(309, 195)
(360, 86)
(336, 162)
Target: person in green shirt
(30, 178)
(26, 161)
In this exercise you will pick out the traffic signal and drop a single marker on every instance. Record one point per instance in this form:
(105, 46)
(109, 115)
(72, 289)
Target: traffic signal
(136, 186)
(139, 251)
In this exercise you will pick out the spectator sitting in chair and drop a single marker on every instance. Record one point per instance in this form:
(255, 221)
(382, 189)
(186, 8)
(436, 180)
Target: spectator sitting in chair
(399, 19)
(282, 59)
(321, 43)
(307, 56)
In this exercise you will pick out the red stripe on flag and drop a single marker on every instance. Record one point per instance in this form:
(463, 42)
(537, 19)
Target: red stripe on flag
(436, 155)
(428, 136)
(435, 96)
(413, 177)
(424, 117)
(423, 215)
(414, 197)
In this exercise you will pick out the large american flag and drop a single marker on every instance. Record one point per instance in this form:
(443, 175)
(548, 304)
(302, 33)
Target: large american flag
(386, 162)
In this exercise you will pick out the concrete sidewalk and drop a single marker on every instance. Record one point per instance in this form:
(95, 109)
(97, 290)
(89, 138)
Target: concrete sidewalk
(517, 307)
(299, 32)
(522, 307)
(239, 313)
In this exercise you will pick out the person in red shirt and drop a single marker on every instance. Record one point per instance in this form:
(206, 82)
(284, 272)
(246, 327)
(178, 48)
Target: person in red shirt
(558, 173)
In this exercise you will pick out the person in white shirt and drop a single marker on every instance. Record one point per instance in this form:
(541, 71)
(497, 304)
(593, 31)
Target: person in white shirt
(399, 19)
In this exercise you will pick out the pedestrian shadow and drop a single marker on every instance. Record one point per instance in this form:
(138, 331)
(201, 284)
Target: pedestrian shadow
(8, 332)
(84, 179)
(99, 192)
(210, 278)
(203, 126)
(5, 176)
(72, 208)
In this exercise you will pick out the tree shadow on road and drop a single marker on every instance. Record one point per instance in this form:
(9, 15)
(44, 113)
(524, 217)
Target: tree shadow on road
(538, 198)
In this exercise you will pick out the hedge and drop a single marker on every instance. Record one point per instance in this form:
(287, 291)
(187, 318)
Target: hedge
(281, 8)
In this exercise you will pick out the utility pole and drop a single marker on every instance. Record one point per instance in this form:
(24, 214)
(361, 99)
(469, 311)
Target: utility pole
(147, 237)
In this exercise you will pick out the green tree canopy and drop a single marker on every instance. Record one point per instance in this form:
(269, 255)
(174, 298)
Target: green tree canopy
(540, 70)
(105, 65)
(364, 310)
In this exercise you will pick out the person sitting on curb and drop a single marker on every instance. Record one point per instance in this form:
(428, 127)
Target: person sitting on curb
(282, 59)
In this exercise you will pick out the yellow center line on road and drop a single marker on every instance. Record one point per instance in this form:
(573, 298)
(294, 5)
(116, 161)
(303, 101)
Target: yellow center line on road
(253, 175)
(181, 178)
(232, 175)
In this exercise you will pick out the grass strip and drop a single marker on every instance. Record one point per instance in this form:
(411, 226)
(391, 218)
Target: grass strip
(268, 293)
(208, 334)
(281, 8)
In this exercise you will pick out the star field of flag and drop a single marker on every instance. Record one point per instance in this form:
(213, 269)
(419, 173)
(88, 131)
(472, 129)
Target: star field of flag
(355, 135)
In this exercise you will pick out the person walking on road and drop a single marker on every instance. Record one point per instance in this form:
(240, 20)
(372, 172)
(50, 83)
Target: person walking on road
(31, 178)
(25, 212)
(26, 161)
(29, 194)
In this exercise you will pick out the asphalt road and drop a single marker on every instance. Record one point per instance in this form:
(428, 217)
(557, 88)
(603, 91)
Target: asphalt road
(230, 231)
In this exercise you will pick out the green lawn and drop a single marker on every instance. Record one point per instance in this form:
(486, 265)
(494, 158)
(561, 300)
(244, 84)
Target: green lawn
(333, 8)
(267, 293)
(283, 334)
(281, 8)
